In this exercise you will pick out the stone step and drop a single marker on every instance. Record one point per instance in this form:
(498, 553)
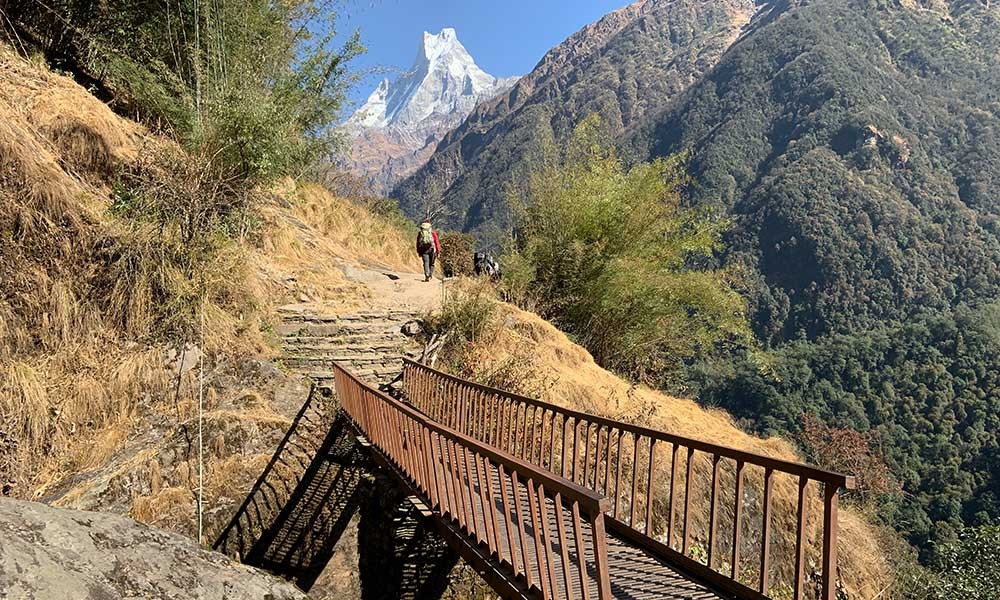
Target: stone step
(338, 349)
(304, 361)
(375, 317)
(326, 343)
(323, 343)
(373, 338)
(289, 329)
(370, 344)
(382, 375)
(301, 363)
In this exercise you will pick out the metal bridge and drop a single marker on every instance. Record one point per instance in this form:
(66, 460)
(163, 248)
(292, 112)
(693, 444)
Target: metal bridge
(547, 502)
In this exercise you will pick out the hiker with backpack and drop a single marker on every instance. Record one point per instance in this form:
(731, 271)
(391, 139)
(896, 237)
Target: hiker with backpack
(428, 247)
(484, 264)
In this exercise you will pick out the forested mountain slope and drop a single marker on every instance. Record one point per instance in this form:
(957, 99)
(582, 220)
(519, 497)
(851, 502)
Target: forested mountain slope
(855, 142)
(854, 145)
(625, 67)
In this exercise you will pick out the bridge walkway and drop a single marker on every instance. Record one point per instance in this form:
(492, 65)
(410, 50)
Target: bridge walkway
(533, 496)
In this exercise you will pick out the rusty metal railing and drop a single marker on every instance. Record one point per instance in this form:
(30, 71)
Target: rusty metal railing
(627, 463)
(543, 527)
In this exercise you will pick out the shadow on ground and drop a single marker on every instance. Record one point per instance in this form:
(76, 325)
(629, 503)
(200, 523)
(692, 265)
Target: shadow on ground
(401, 557)
(300, 511)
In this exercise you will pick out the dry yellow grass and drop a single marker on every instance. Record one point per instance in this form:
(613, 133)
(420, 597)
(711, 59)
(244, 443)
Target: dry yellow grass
(167, 505)
(310, 234)
(73, 408)
(57, 105)
(298, 266)
(354, 230)
(171, 499)
(86, 385)
(78, 301)
(24, 401)
(570, 377)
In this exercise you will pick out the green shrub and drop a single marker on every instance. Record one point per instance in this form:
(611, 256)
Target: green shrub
(457, 251)
(467, 316)
(258, 85)
(608, 252)
(518, 275)
(969, 566)
(474, 322)
(180, 214)
(184, 192)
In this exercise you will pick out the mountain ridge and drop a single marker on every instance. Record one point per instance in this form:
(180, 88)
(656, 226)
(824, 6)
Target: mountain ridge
(402, 121)
(614, 67)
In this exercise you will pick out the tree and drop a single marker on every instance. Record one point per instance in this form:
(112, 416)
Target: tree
(848, 451)
(969, 566)
(611, 255)
(258, 85)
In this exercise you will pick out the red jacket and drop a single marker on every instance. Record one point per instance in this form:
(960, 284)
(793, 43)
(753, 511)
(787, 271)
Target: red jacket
(437, 243)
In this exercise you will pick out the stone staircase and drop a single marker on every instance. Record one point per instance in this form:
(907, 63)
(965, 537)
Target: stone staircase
(370, 344)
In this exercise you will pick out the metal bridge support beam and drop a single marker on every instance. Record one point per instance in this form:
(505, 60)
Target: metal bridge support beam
(401, 554)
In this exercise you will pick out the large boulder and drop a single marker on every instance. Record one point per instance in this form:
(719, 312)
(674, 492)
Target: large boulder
(55, 553)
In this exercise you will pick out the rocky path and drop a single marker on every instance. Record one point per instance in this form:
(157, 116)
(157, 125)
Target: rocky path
(372, 341)
(372, 344)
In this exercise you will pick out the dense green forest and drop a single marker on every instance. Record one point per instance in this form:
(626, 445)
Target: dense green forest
(854, 145)
(928, 388)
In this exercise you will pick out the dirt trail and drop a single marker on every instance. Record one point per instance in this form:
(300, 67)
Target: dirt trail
(397, 290)
(379, 288)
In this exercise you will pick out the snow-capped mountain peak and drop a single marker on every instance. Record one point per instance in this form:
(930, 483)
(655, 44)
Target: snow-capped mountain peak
(403, 120)
(445, 42)
(444, 83)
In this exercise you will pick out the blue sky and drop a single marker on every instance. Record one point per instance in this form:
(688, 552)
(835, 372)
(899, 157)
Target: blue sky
(506, 37)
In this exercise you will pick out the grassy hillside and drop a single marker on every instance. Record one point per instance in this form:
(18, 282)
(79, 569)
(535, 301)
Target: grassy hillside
(101, 330)
(500, 345)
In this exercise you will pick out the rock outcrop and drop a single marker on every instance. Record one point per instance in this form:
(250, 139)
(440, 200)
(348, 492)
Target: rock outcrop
(55, 553)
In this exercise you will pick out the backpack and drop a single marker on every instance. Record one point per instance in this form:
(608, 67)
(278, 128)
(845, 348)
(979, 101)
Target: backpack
(425, 239)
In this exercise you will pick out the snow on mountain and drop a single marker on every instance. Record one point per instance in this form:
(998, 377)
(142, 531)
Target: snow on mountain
(403, 120)
(444, 82)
